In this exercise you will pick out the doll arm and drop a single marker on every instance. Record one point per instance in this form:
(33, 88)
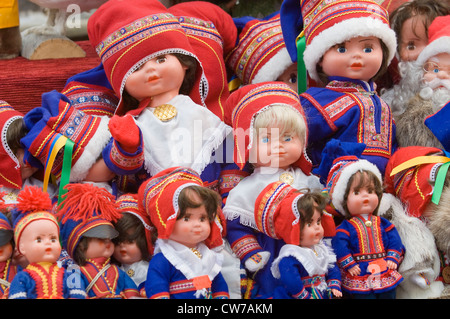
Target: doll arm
(127, 286)
(394, 248)
(289, 269)
(341, 247)
(20, 286)
(158, 278)
(219, 288)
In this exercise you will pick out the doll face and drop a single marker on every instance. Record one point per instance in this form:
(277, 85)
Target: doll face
(273, 148)
(127, 252)
(289, 76)
(6, 252)
(159, 78)
(358, 58)
(26, 170)
(40, 242)
(99, 247)
(312, 232)
(361, 200)
(437, 71)
(413, 38)
(194, 227)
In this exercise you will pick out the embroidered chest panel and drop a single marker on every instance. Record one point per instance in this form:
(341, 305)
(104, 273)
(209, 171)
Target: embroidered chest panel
(369, 237)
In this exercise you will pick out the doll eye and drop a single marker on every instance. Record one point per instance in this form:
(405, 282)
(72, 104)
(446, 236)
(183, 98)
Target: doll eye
(410, 46)
(368, 50)
(265, 139)
(341, 49)
(287, 138)
(293, 78)
(161, 59)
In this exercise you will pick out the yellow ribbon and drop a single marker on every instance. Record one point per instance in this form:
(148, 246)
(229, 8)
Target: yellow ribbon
(419, 160)
(57, 145)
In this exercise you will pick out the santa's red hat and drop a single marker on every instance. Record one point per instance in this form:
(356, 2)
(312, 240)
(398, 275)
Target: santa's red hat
(438, 39)
(159, 199)
(246, 103)
(260, 54)
(10, 175)
(126, 34)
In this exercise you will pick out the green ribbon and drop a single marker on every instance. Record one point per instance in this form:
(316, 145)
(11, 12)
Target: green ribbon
(66, 167)
(439, 183)
(301, 68)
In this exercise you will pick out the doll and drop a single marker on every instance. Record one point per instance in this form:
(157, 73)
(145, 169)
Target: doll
(8, 269)
(260, 54)
(153, 79)
(189, 225)
(368, 247)
(270, 133)
(306, 267)
(36, 234)
(346, 54)
(87, 214)
(434, 65)
(134, 244)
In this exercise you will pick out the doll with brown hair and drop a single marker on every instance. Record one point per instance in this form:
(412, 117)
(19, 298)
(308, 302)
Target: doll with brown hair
(305, 267)
(134, 244)
(187, 263)
(36, 234)
(368, 262)
(346, 54)
(86, 214)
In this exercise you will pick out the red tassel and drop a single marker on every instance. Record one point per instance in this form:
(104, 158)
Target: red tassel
(84, 201)
(33, 199)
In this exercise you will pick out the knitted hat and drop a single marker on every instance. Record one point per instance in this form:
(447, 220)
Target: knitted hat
(32, 204)
(10, 175)
(159, 197)
(212, 34)
(327, 23)
(127, 34)
(342, 169)
(128, 204)
(57, 118)
(412, 183)
(276, 212)
(438, 39)
(246, 103)
(86, 211)
(260, 54)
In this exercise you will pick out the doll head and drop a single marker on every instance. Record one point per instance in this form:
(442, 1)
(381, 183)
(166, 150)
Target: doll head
(136, 235)
(6, 238)
(176, 196)
(36, 229)
(268, 108)
(128, 35)
(311, 207)
(354, 186)
(87, 214)
(331, 23)
(410, 21)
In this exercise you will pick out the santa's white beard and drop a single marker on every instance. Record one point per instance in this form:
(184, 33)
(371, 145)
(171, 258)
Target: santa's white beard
(409, 85)
(438, 91)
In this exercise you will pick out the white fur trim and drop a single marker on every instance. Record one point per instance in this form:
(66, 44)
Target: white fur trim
(273, 68)
(91, 152)
(337, 196)
(344, 31)
(441, 45)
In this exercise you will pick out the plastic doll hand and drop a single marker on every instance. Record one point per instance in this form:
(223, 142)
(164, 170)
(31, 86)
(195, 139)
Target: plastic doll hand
(336, 293)
(354, 271)
(125, 131)
(257, 261)
(391, 265)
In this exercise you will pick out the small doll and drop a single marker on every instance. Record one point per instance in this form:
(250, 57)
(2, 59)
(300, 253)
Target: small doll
(187, 263)
(8, 269)
(36, 234)
(368, 247)
(306, 267)
(87, 214)
(134, 244)
(159, 81)
(260, 54)
(270, 133)
(346, 54)
(433, 65)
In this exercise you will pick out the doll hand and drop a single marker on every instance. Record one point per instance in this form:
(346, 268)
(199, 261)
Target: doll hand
(336, 293)
(257, 261)
(125, 131)
(391, 265)
(354, 271)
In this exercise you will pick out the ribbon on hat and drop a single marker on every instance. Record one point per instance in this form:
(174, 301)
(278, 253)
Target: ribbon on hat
(301, 68)
(55, 147)
(440, 177)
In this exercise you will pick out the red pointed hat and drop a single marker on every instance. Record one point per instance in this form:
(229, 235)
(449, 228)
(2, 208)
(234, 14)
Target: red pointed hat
(159, 198)
(126, 34)
(248, 101)
(212, 34)
(438, 39)
(10, 175)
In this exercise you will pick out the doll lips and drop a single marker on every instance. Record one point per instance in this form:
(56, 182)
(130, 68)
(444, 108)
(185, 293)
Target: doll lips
(152, 78)
(48, 250)
(356, 66)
